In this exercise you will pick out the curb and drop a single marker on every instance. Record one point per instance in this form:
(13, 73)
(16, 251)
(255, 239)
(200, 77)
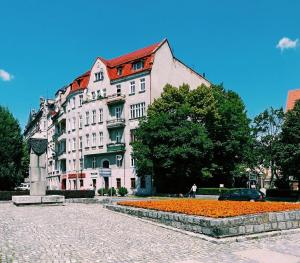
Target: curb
(214, 240)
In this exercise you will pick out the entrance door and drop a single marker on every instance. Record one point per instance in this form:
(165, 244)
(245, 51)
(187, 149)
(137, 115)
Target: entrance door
(106, 182)
(63, 184)
(94, 184)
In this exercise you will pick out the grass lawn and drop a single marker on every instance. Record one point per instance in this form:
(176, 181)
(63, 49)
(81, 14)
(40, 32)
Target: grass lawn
(212, 208)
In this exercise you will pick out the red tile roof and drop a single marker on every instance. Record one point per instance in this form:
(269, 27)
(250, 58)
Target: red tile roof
(80, 82)
(293, 96)
(125, 61)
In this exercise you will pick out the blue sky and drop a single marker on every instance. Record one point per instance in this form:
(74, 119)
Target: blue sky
(46, 44)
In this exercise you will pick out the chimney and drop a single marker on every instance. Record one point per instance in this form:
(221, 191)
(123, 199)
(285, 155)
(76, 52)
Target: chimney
(203, 74)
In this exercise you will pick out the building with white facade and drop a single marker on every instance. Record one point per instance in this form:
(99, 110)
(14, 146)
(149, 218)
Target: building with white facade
(96, 116)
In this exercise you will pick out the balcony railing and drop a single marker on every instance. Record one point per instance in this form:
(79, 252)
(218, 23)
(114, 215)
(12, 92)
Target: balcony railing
(115, 123)
(115, 98)
(105, 172)
(116, 147)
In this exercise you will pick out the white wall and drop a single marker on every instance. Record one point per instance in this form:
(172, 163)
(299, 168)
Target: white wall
(168, 70)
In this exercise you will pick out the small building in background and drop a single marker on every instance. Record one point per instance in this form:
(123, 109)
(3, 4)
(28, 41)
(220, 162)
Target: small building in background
(293, 96)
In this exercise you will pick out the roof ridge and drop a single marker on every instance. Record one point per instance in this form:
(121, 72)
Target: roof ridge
(138, 53)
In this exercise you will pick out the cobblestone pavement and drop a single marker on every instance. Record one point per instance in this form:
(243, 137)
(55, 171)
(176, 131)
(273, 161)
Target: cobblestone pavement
(90, 233)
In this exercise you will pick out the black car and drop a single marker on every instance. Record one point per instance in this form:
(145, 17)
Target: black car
(242, 195)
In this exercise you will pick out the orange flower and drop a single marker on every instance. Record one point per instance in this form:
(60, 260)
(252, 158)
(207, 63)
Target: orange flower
(212, 208)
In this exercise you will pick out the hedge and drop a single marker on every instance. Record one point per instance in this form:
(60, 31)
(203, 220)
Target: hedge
(7, 195)
(72, 193)
(282, 193)
(213, 191)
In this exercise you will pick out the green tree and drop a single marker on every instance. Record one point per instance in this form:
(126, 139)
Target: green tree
(179, 142)
(266, 131)
(11, 150)
(289, 154)
(230, 133)
(169, 145)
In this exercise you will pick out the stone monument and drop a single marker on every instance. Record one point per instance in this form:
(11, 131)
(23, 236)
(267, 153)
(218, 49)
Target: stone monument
(37, 173)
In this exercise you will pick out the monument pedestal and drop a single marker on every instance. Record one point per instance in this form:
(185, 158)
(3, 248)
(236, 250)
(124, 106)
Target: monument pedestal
(38, 199)
(38, 159)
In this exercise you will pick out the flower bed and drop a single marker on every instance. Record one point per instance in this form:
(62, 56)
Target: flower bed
(212, 208)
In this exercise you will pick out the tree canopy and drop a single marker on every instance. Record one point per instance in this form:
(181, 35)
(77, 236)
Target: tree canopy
(11, 150)
(189, 136)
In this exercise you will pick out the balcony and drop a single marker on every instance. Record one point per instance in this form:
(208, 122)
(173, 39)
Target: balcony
(115, 123)
(115, 98)
(116, 147)
(59, 135)
(105, 172)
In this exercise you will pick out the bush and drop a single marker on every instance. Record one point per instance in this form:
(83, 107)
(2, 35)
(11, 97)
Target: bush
(72, 193)
(102, 191)
(213, 191)
(111, 191)
(122, 191)
(7, 195)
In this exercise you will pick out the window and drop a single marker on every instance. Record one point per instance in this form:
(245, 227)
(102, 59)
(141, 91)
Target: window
(70, 168)
(143, 182)
(119, 160)
(94, 116)
(94, 140)
(80, 121)
(69, 145)
(138, 65)
(81, 183)
(73, 123)
(80, 100)
(73, 102)
(81, 163)
(69, 126)
(119, 71)
(118, 112)
(132, 87)
(132, 135)
(80, 142)
(87, 140)
(137, 110)
(87, 116)
(118, 137)
(132, 182)
(118, 90)
(93, 95)
(99, 76)
(98, 94)
(131, 161)
(74, 164)
(100, 138)
(94, 163)
(74, 144)
(118, 183)
(143, 85)
(100, 115)
(104, 93)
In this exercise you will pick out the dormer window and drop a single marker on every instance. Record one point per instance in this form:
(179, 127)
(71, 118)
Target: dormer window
(138, 65)
(99, 75)
(119, 71)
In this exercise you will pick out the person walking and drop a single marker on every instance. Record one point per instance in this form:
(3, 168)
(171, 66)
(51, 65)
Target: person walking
(193, 190)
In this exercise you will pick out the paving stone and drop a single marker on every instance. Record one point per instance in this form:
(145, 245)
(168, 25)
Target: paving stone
(91, 233)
